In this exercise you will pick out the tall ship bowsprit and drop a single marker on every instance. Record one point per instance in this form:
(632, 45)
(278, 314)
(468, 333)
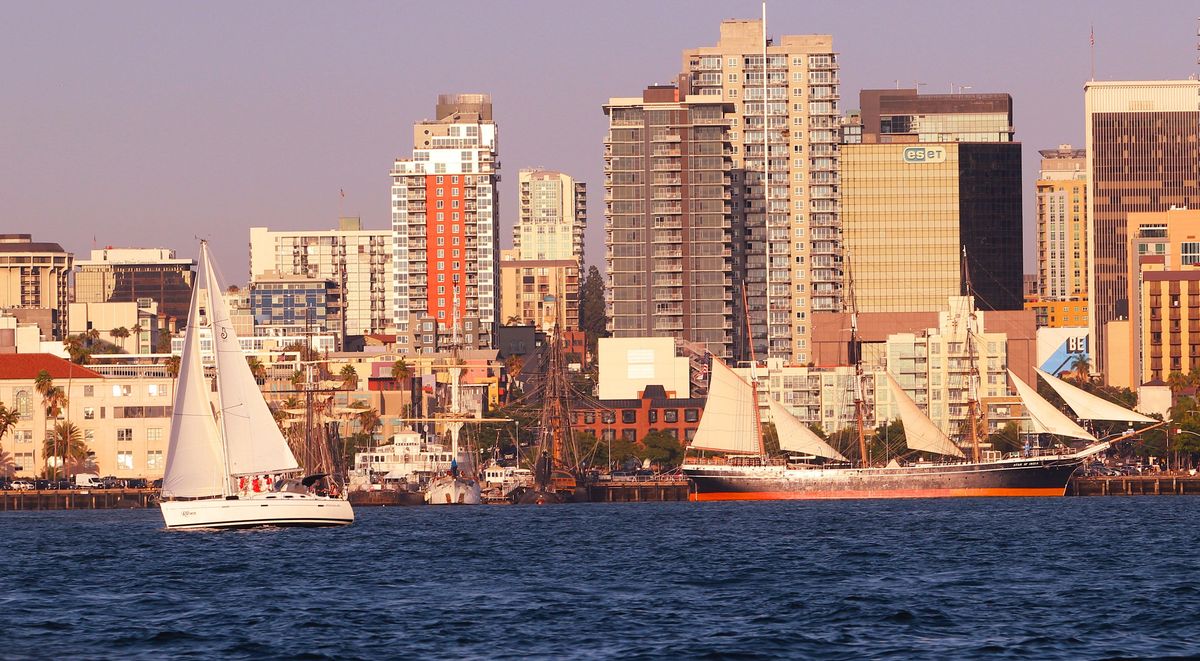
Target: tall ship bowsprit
(812, 469)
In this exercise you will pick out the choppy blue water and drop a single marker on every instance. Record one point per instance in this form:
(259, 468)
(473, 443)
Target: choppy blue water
(1001, 578)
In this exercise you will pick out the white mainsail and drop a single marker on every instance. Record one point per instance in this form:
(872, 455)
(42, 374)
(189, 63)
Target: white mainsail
(919, 431)
(1090, 407)
(253, 441)
(730, 420)
(1047, 418)
(195, 458)
(795, 436)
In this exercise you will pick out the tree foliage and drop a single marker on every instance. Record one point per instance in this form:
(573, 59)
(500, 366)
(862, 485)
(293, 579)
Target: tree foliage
(593, 320)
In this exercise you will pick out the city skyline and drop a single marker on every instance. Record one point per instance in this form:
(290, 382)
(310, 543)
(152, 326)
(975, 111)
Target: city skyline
(145, 124)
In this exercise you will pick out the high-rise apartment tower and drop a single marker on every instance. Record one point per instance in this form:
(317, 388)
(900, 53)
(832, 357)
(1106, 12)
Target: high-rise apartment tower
(787, 102)
(669, 235)
(445, 228)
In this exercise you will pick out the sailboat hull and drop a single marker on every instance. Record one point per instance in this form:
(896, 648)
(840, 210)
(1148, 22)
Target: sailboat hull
(275, 509)
(1030, 477)
(447, 490)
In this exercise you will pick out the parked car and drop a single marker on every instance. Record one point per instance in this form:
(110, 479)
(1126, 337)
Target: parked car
(135, 483)
(23, 485)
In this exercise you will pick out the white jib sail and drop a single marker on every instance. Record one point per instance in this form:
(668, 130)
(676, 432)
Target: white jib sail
(195, 461)
(1088, 406)
(1047, 419)
(795, 436)
(253, 440)
(919, 431)
(729, 422)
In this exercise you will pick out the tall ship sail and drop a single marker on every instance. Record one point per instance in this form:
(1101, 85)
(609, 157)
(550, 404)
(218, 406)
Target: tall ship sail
(228, 465)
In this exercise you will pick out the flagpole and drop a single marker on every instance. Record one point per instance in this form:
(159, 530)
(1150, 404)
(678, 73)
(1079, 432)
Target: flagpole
(1092, 47)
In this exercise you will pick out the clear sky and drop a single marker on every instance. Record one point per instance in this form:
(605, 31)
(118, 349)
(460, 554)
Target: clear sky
(149, 123)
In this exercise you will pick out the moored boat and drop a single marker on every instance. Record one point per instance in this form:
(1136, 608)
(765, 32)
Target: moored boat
(730, 426)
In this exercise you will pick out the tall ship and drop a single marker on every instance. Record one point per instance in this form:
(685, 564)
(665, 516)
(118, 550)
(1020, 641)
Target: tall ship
(228, 464)
(811, 468)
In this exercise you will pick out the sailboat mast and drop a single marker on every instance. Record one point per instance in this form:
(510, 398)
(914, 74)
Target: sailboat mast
(973, 374)
(856, 357)
(210, 285)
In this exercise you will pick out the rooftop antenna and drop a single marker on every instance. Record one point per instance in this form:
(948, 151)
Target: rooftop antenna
(1092, 47)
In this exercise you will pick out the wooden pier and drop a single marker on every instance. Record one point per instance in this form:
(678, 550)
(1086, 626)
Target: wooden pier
(84, 499)
(1135, 485)
(388, 498)
(618, 491)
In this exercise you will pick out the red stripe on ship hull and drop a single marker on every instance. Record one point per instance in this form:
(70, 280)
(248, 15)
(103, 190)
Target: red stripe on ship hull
(898, 493)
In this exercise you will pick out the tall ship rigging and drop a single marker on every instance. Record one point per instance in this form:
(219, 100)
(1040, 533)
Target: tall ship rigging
(730, 427)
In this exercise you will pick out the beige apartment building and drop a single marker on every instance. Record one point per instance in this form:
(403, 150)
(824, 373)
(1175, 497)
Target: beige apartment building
(124, 420)
(1062, 224)
(1141, 157)
(35, 279)
(357, 260)
(1163, 334)
(539, 292)
(552, 216)
(787, 104)
(445, 228)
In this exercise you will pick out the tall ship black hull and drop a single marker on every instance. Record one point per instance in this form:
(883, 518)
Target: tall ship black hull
(1046, 476)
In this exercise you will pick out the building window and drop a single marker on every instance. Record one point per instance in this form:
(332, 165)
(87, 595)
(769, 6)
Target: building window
(608, 417)
(628, 416)
(122, 391)
(629, 435)
(125, 460)
(653, 415)
(23, 406)
(671, 415)
(89, 391)
(154, 434)
(154, 459)
(89, 413)
(691, 415)
(589, 418)
(125, 434)
(1189, 253)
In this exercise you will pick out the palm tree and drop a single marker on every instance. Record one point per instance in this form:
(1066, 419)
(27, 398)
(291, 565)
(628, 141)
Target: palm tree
(120, 333)
(349, 377)
(369, 421)
(90, 336)
(65, 445)
(1081, 368)
(1178, 382)
(8, 421)
(401, 370)
(172, 363)
(137, 336)
(257, 369)
(77, 348)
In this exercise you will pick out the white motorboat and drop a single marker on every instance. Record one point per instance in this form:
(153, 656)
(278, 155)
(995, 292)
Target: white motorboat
(216, 451)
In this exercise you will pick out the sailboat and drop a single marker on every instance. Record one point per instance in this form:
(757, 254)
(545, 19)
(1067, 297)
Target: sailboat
(228, 465)
(729, 425)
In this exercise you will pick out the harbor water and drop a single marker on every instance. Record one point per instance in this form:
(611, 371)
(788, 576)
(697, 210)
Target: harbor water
(1066, 578)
